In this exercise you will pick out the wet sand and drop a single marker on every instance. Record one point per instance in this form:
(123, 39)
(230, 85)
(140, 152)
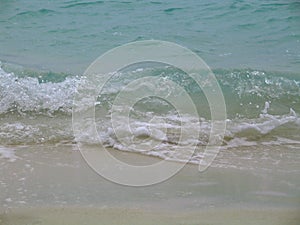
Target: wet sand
(117, 216)
(54, 185)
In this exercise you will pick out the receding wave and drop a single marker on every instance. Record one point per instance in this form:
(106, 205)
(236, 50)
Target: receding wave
(263, 109)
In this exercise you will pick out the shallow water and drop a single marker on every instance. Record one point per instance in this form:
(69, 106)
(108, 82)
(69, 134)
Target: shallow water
(58, 175)
(51, 184)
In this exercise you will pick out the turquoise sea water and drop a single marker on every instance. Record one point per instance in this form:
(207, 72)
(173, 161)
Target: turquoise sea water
(253, 47)
(69, 35)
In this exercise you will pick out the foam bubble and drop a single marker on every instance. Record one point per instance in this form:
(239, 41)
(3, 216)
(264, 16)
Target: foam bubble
(27, 94)
(35, 112)
(8, 153)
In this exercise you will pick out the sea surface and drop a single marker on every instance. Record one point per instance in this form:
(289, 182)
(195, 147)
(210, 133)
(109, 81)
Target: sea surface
(253, 48)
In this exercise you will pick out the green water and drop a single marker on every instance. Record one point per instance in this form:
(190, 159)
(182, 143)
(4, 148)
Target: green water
(69, 35)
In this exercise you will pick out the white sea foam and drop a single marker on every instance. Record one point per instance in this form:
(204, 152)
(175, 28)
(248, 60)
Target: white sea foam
(27, 94)
(33, 113)
(8, 153)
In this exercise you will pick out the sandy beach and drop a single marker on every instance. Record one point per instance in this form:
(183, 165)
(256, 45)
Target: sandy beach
(121, 216)
(54, 185)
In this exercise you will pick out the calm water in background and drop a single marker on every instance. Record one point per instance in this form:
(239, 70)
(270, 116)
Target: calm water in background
(69, 35)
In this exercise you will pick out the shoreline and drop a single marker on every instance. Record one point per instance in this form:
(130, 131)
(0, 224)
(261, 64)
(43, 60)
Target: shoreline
(90, 215)
(48, 184)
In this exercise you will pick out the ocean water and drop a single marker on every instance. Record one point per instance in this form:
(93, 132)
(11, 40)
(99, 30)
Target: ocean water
(253, 48)
(69, 35)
